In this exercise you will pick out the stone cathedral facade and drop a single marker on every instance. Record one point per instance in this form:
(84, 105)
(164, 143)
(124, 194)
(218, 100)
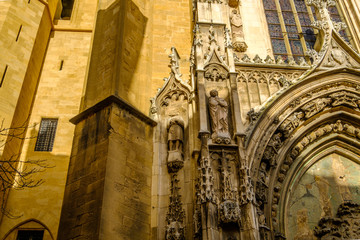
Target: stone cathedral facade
(180, 119)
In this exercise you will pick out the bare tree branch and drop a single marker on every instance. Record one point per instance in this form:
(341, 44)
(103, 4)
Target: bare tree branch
(15, 173)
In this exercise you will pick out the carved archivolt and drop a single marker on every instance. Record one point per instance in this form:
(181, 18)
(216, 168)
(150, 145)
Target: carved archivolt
(324, 98)
(339, 127)
(305, 112)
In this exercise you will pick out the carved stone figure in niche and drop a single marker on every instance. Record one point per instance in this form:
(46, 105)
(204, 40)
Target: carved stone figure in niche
(237, 31)
(175, 160)
(219, 118)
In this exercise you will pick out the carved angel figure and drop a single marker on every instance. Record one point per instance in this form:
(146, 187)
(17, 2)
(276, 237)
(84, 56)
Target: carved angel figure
(219, 118)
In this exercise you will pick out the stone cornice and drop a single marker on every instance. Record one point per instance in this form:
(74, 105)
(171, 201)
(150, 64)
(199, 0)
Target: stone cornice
(107, 102)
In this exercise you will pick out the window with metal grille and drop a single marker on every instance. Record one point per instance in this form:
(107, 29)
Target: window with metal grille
(30, 235)
(46, 136)
(289, 23)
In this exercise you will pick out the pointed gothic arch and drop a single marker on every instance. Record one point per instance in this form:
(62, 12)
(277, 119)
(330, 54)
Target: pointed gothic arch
(322, 105)
(29, 224)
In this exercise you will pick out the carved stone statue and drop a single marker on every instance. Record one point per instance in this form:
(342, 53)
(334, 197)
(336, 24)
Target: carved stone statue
(237, 31)
(219, 118)
(175, 160)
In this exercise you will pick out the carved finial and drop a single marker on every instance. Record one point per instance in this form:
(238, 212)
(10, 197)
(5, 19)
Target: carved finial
(284, 83)
(236, 58)
(325, 23)
(246, 59)
(280, 60)
(257, 59)
(228, 43)
(302, 62)
(291, 61)
(197, 36)
(269, 60)
(312, 54)
(212, 35)
(174, 62)
(338, 26)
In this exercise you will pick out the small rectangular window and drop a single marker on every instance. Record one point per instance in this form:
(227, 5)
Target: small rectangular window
(67, 9)
(18, 35)
(30, 235)
(3, 76)
(46, 136)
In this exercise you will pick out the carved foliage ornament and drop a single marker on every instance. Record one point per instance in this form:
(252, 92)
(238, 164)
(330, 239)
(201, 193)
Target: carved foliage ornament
(175, 228)
(321, 4)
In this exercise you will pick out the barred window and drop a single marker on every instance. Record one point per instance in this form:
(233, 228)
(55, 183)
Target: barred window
(30, 235)
(289, 23)
(46, 136)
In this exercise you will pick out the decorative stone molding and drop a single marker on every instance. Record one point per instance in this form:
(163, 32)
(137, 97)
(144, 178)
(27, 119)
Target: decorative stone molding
(271, 62)
(175, 228)
(337, 127)
(266, 76)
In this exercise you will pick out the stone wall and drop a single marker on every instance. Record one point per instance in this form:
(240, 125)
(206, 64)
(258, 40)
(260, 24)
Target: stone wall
(109, 181)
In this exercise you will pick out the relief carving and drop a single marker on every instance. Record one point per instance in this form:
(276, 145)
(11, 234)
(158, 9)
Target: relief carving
(315, 106)
(237, 31)
(292, 122)
(214, 74)
(345, 98)
(175, 159)
(272, 148)
(218, 109)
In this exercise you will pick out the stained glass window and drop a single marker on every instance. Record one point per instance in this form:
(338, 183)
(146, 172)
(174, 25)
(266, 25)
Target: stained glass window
(289, 23)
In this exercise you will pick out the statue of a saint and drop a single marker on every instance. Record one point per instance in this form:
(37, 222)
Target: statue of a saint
(175, 159)
(237, 31)
(219, 118)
